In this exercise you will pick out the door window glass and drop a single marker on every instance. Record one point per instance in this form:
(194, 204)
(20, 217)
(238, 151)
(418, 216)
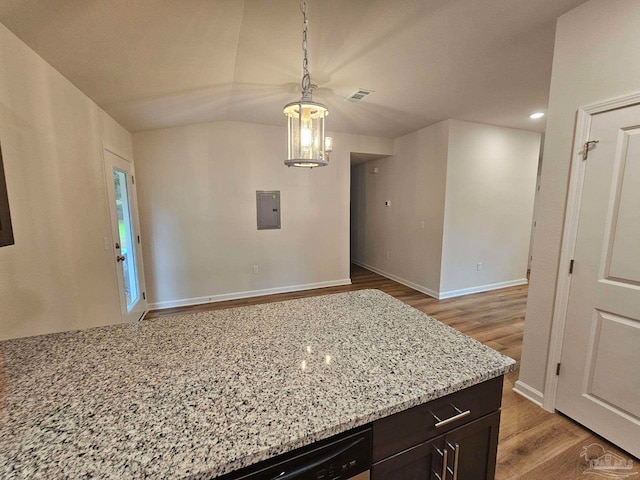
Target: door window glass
(125, 231)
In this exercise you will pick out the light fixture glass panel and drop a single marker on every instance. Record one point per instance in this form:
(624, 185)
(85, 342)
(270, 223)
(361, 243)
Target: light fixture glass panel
(328, 144)
(306, 134)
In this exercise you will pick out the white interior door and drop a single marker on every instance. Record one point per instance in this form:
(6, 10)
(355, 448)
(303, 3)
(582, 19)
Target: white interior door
(599, 383)
(126, 236)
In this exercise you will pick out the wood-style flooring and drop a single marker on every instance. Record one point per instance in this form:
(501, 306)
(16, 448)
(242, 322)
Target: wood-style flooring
(534, 444)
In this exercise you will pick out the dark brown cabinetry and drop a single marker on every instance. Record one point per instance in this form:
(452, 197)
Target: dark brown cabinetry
(472, 449)
(421, 461)
(450, 438)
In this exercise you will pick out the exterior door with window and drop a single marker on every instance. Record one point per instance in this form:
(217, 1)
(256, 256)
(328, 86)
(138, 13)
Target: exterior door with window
(126, 236)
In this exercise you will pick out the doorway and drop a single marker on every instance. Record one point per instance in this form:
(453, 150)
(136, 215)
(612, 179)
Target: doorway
(362, 164)
(123, 210)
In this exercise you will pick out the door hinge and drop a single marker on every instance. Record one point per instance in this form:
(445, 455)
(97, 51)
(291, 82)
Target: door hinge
(144, 295)
(558, 369)
(571, 266)
(133, 179)
(138, 238)
(587, 147)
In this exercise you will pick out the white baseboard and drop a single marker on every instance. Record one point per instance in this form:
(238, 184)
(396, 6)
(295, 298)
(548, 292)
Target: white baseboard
(483, 288)
(529, 393)
(185, 302)
(443, 295)
(393, 277)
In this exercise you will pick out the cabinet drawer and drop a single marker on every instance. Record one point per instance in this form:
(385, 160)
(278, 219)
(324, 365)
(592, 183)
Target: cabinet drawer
(406, 429)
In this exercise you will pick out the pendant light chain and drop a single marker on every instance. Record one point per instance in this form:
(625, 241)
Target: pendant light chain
(306, 77)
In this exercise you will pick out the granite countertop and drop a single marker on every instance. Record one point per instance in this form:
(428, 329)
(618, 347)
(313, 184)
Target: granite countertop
(199, 395)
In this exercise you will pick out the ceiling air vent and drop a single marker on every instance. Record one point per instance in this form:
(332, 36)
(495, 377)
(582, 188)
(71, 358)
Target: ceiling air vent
(359, 95)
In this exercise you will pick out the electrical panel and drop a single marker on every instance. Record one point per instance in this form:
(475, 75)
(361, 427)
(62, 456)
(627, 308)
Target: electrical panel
(268, 208)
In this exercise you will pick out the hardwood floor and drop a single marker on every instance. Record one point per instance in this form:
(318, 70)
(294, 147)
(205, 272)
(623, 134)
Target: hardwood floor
(534, 444)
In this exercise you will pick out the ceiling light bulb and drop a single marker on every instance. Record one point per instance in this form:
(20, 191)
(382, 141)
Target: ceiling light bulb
(536, 115)
(305, 137)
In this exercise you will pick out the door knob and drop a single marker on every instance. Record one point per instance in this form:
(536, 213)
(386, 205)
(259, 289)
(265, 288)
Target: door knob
(121, 258)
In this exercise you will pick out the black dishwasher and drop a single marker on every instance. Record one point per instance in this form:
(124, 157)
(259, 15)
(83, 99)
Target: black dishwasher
(339, 458)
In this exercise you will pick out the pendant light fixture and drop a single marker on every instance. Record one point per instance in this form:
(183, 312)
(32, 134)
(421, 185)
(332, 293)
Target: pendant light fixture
(308, 146)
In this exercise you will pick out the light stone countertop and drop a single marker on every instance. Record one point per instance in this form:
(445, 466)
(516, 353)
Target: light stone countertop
(200, 395)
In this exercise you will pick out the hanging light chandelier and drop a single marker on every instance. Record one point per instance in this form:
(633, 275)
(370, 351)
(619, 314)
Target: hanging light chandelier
(308, 146)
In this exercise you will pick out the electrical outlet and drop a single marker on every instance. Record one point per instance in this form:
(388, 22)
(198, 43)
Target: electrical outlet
(479, 266)
(256, 269)
(421, 224)
(387, 255)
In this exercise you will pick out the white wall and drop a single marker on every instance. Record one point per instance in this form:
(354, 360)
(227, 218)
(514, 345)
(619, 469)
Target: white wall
(58, 275)
(414, 180)
(473, 187)
(491, 181)
(196, 189)
(595, 59)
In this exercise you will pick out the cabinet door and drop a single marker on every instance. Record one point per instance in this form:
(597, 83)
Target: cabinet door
(422, 462)
(472, 449)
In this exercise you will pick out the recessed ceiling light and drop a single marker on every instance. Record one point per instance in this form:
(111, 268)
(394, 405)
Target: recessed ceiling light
(536, 115)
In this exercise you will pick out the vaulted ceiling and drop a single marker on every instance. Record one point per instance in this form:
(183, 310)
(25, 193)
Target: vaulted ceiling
(159, 63)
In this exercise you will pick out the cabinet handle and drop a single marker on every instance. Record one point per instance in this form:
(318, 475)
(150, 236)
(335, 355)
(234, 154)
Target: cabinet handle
(456, 458)
(444, 464)
(461, 414)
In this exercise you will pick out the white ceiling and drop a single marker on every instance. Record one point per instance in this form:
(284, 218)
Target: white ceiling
(160, 63)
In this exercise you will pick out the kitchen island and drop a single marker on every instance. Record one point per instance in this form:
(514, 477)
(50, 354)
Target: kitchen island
(202, 395)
